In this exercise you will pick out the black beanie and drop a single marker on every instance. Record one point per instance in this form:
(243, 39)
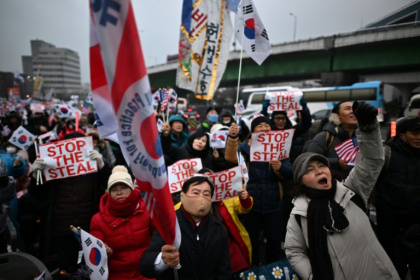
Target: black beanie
(257, 119)
(408, 124)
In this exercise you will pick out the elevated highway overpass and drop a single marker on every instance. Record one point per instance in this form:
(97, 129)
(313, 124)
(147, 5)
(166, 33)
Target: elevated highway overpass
(390, 54)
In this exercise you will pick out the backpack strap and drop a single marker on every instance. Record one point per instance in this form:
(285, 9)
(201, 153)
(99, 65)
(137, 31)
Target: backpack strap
(297, 217)
(359, 202)
(329, 139)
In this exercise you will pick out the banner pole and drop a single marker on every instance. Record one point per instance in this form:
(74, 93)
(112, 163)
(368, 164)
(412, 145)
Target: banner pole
(239, 75)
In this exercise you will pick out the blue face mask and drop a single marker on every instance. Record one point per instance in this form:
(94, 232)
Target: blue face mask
(213, 118)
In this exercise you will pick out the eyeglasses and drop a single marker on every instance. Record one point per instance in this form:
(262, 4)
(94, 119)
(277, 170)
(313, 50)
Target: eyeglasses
(283, 119)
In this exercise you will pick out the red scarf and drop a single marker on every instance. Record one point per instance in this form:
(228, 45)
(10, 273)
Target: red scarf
(124, 207)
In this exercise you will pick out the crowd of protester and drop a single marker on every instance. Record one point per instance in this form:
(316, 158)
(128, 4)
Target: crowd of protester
(309, 208)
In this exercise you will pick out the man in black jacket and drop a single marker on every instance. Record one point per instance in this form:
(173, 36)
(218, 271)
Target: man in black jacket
(398, 199)
(204, 250)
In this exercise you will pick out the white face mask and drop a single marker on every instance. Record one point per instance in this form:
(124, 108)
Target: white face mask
(11, 150)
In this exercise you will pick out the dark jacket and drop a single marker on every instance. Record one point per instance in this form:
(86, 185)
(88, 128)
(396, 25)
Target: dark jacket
(264, 184)
(399, 183)
(174, 154)
(319, 145)
(206, 258)
(181, 139)
(7, 193)
(69, 201)
(128, 237)
(301, 130)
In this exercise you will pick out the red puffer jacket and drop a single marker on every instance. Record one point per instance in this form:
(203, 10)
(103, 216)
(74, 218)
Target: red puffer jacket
(127, 237)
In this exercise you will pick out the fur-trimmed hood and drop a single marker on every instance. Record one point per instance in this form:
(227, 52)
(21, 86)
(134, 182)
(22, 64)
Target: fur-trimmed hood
(335, 119)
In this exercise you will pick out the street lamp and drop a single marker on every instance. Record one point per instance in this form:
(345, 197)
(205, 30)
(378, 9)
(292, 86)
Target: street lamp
(294, 29)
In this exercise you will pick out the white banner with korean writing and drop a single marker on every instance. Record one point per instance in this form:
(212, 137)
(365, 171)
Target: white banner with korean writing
(271, 145)
(181, 171)
(67, 158)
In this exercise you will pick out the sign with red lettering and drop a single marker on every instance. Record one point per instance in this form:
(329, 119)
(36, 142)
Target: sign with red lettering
(67, 158)
(271, 145)
(227, 183)
(181, 171)
(284, 100)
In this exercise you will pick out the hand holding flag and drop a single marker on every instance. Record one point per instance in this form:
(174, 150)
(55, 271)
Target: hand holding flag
(348, 150)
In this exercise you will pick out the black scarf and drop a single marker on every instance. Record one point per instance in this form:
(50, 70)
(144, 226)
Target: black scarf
(324, 214)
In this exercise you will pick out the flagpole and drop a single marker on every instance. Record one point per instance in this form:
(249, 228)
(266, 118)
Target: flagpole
(239, 75)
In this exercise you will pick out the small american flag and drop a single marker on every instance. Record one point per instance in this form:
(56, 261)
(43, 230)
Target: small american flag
(348, 150)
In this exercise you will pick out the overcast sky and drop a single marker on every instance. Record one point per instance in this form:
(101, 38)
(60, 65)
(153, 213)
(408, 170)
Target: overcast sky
(65, 24)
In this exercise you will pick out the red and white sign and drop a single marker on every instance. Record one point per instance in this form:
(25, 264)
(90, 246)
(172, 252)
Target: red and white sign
(284, 100)
(271, 145)
(181, 171)
(227, 183)
(67, 158)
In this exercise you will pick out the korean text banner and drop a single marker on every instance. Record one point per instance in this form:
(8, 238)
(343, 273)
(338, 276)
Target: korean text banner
(204, 41)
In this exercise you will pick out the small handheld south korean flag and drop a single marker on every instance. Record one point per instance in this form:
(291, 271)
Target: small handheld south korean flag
(22, 138)
(95, 256)
(242, 163)
(218, 139)
(64, 111)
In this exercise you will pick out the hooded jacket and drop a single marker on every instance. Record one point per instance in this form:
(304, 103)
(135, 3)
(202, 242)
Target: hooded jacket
(399, 183)
(173, 154)
(182, 138)
(319, 145)
(128, 237)
(356, 252)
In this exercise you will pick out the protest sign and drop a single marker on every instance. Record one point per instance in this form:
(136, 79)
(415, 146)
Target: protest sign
(271, 145)
(227, 183)
(284, 100)
(181, 171)
(67, 158)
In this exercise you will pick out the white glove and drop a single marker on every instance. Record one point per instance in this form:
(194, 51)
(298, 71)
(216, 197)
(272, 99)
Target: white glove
(95, 155)
(38, 165)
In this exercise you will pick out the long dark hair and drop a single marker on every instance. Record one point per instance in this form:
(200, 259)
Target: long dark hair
(199, 134)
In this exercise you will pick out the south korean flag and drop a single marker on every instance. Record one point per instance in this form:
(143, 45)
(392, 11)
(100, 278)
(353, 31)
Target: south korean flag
(95, 256)
(22, 138)
(64, 111)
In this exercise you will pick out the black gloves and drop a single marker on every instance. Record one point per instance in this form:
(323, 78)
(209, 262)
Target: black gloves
(303, 103)
(365, 115)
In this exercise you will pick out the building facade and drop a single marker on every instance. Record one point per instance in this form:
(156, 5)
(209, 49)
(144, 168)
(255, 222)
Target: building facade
(58, 67)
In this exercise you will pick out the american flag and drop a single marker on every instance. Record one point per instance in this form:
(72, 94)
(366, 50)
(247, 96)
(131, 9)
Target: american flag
(164, 99)
(348, 150)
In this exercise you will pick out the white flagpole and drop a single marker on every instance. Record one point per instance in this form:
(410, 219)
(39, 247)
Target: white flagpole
(240, 69)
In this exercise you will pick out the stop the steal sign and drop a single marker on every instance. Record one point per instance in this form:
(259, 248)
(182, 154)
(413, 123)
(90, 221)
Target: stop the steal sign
(67, 158)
